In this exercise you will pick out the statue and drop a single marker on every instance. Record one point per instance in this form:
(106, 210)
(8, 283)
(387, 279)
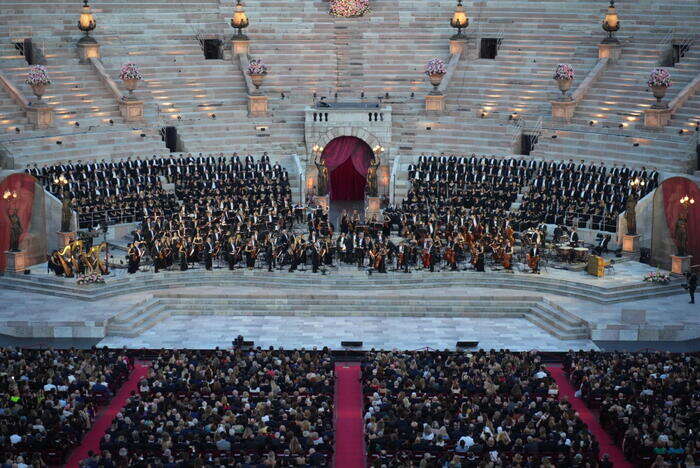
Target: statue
(15, 230)
(322, 184)
(66, 215)
(681, 234)
(372, 187)
(631, 214)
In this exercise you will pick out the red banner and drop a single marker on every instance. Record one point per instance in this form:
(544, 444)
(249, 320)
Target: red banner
(23, 186)
(674, 189)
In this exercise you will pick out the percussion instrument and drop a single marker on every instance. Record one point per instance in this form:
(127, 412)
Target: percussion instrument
(564, 251)
(580, 253)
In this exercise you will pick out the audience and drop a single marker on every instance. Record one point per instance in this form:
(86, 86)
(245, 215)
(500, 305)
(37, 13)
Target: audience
(48, 398)
(493, 408)
(258, 408)
(648, 401)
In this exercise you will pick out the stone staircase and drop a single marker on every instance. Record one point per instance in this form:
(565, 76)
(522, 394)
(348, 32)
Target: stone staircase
(345, 281)
(537, 310)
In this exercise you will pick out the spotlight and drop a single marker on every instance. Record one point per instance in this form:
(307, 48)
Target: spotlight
(386, 95)
(413, 94)
(314, 94)
(17, 129)
(483, 114)
(635, 144)
(428, 127)
(179, 117)
(111, 122)
(362, 95)
(553, 137)
(681, 131)
(77, 124)
(621, 125)
(591, 122)
(143, 135)
(282, 94)
(213, 116)
(59, 142)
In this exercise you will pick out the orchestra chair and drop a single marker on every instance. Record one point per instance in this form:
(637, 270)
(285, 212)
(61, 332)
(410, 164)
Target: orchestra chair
(610, 268)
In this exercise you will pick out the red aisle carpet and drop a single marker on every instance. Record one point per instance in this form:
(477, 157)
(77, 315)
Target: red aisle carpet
(349, 433)
(91, 441)
(606, 443)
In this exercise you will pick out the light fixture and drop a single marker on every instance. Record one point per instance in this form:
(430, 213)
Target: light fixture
(317, 149)
(379, 149)
(9, 194)
(459, 20)
(686, 201)
(239, 21)
(86, 23)
(637, 183)
(611, 23)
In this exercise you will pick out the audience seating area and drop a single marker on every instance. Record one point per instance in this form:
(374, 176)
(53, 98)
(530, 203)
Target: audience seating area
(48, 399)
(648, 402)
(270, 408)
(495, 407)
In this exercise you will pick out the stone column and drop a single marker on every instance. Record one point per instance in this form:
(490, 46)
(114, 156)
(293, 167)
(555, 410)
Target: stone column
(630, 242)
(563, 110)
(239, 47)
(435, 103)
(40, 116)
(16, 262)
(88, 48)
(257, 105)
(131, 110)
(679, 265)
(656, 118)
(612, 51)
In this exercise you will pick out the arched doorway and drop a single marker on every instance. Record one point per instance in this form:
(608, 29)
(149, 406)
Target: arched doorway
(347, 159)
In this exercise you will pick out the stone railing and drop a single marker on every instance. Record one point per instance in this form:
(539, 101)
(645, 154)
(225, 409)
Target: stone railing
(39, 114)
(130, 109)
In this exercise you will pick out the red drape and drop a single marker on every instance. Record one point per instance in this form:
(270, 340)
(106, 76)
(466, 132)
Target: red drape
(346, 183)
(347, 159)
(673, 190)
(23, 184)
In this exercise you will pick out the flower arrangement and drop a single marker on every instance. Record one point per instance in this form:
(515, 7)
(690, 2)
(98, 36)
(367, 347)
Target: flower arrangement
(659, 77)
(130, 71)
(564, 71)
(349, 8)
(435, 66)
(90, 279)
(257, 67)
(38, 75)
(657, 277)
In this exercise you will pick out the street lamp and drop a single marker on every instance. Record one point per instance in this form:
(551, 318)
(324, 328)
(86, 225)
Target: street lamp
(459, 20)
(87, 22)
(611, 23)
(239, 21)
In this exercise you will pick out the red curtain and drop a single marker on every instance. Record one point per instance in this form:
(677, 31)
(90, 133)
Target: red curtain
(346, 183)
(673, 190)
(347, 159)
(23, 185)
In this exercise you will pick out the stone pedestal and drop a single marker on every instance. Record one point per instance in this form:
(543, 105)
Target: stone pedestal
(611, 51)
(16, 262)
(321, 201)
(435, 103)
(40, 116)
(88, 48)
(257, 105)
(563, 110)
(131, 110)
(65, 238)
(630, 243)
(373, 206)
(239, 47)
(656, 118)
(458, 46)
(679, 265)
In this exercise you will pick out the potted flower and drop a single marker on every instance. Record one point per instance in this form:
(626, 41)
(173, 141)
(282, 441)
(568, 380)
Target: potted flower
(659, 81)
(349, 8)
(257, 71)
(564, 75)
(38, 79)
(131, 76)
(435, 69)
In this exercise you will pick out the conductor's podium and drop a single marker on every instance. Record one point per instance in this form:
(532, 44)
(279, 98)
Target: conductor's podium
(596, 266)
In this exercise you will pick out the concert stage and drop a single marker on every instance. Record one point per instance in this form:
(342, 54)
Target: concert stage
(556, 310)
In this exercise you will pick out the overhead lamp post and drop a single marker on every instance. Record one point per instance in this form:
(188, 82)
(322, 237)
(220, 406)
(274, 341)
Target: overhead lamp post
(611, 24)
(459, 21)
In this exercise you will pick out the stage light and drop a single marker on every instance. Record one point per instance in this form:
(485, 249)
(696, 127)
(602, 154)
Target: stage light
(239, 21)
(611, 23)
(459, 20)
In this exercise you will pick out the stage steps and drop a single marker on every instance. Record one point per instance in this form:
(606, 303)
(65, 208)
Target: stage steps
(539, 311)
(142, 282)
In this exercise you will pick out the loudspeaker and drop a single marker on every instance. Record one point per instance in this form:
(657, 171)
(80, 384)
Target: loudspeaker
(28, 51)
(27, 271)
(171, 138)
(351, 344)
(467, 344)
(644, 255)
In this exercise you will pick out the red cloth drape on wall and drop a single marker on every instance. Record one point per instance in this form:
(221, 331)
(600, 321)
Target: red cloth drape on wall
(347, 159)
(673, 190)
(346, 183)
(23, 184)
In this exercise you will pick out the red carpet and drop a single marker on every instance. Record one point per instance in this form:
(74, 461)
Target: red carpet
(606, 443)
(349, 430)
(91, 441)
